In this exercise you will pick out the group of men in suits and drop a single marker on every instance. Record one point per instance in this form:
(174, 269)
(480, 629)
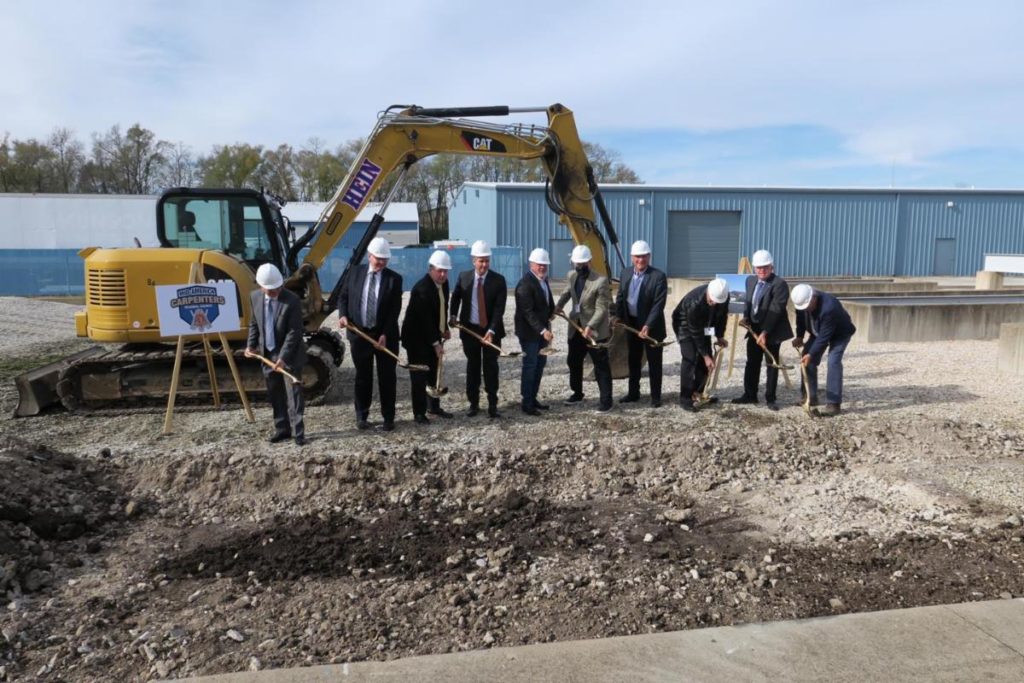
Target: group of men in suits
(371, 300)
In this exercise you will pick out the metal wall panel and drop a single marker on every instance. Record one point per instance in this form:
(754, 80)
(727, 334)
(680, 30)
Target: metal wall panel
(473, 217)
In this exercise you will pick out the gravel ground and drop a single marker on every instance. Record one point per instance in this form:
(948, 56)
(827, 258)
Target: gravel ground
(128, 555)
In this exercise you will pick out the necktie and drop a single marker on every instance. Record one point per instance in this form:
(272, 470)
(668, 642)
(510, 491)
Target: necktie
(758, 292)
(370, 317)
(268, 325)
(441, 319)
(481, 306)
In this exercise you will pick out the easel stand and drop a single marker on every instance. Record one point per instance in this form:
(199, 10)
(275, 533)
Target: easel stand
(193, 278)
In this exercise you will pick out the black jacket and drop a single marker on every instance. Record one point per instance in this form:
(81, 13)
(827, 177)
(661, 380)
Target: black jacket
(420, 328)
(650, 307)
(495, 295)
(772, 314)
(694, 313)
(533, 309)
(831, 321)
(389, 301)
(288, 330)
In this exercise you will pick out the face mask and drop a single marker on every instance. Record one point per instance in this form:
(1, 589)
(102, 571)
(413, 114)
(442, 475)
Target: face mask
(583, 270)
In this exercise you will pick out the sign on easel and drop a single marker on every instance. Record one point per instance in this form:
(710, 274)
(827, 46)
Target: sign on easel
(199, 308)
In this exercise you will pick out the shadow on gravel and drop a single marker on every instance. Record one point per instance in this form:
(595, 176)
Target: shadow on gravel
(408, 544)
(881, 399)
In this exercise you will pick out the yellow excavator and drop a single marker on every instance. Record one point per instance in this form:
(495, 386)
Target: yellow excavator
(228, 234)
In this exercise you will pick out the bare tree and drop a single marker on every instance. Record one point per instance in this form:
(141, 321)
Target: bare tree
(132, 162)
(180, 170)
(68, 159)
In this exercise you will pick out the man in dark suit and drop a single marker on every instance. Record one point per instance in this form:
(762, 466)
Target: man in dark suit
(767, 315)
(371, 299)
(591, 298)
(699, 316)
(478, 302)
(640, 304)
(534, 308)
(424, 332)
(822, 316)
(275, 332)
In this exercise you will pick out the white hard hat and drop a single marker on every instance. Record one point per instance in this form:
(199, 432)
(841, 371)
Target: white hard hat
(580, 254)
(440, 259)
(379, 247)
(480, 249)
(801, 296)
(269, 277)
(640, 248)
(540, 256)
(762, 257)
(718, 290)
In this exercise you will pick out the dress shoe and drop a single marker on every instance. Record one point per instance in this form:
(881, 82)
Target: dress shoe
(541, 406)
(655, 402)
(388, 426)
(713, 399)
(744, 400)
(473, 411)
(573, 400)
(362, 424)
(629, 398)
(300, 441)
(830, 410)
(532, 411)
(441, 412)
(688, 406)
(604, 409)
(493, 413)
(421, 419)
(279, 437)
(773, 406)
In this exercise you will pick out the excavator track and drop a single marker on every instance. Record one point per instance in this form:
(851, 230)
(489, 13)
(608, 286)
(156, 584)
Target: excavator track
(130, 379)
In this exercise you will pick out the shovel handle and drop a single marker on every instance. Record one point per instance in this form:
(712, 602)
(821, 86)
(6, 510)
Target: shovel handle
(652, 342)
(471, 333)
(284, 372)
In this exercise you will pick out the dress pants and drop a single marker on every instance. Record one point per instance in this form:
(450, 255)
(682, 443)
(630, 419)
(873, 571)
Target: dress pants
(752, 373)
(477, 356)
(419, 381)
(834, 381)
(578, 350)
(532, 372)
(287, 402)
(693, 373)
(363, 356)
(636, 348)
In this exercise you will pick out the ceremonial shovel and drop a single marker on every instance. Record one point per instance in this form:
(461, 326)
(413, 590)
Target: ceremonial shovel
(415, 367)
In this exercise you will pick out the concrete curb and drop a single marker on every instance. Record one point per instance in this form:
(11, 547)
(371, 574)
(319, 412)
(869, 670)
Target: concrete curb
(969, 641)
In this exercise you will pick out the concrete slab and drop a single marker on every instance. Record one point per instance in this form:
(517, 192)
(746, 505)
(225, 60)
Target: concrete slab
(1011, 348)
(977, 641)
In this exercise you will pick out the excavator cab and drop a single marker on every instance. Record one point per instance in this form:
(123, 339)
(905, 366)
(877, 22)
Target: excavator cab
(239, 223)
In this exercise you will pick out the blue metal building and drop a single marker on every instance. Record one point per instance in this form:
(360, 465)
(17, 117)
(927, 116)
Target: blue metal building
(700, 231)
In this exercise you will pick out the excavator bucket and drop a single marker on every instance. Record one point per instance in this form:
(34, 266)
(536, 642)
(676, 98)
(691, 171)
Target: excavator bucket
(37, 389)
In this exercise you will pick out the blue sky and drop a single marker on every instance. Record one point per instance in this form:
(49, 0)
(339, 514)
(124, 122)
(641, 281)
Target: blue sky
(799, 93)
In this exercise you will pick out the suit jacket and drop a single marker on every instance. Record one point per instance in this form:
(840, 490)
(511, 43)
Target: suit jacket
(533, 309)
(389, 301)
(650, 307)
(693, 313)
(830, 320)
(592, 305)
(288, 330)
(495, 295)
(772, 314)
(420, 329)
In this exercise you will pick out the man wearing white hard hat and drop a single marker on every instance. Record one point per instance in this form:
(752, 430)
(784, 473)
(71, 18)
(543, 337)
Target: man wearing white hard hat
(534, 308)
(766, 316)
(478, 303)
(591, 299)
(371, 299)
(643, 290)
(424, 332)
(699, 317)
(823, 318)
(276, 333)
